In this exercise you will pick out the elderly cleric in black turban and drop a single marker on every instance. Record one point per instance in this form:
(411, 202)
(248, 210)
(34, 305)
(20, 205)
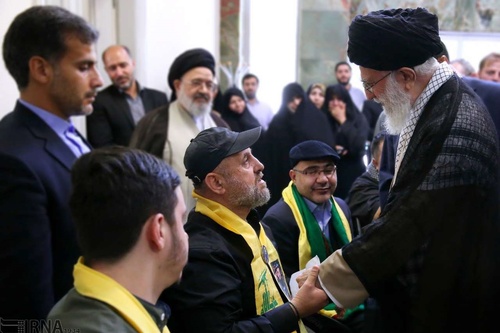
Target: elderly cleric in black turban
(389, 39)
(186, 61)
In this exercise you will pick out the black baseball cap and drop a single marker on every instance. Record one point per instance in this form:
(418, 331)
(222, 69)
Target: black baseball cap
(211, 146)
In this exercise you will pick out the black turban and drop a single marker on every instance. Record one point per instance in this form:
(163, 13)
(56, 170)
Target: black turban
(187, 61)
(386, 40)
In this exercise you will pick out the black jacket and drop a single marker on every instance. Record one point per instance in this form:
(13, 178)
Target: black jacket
(111, 122)
(217, 292)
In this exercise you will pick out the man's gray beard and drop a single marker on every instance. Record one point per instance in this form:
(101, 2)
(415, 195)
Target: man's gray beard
(193, 108)
(247, 195)
(128, 85)
(397, 104)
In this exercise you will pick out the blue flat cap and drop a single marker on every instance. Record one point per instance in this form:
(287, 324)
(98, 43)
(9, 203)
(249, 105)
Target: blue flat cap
(312, 150)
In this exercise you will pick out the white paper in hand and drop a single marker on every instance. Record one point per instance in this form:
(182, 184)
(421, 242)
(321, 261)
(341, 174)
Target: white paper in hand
(294, 287)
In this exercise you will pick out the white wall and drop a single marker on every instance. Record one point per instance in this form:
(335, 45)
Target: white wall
(273, 47)
(172, 27)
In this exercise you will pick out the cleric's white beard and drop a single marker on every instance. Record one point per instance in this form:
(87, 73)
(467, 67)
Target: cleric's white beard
(194, 108)
(397, 105)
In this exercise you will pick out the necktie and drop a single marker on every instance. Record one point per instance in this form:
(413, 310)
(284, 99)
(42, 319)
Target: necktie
(76, 141)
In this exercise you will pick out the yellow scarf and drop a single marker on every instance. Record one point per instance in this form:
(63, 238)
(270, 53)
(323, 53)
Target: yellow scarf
(304, 247)
(267, 296)
(93, 284)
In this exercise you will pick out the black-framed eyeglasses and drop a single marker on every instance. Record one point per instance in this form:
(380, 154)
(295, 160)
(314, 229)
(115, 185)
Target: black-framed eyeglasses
(369, 86)
(197, 84)
(315, 172)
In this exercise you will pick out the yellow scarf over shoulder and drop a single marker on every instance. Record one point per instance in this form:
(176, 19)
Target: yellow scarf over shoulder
(93, 284)
(267, 296)
(304, 246)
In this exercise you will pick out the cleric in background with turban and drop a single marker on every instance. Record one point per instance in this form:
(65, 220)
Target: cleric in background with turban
(432, 259)
(167, 131)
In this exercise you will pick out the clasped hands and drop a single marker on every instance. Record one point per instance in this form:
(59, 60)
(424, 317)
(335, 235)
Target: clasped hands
(311, 297)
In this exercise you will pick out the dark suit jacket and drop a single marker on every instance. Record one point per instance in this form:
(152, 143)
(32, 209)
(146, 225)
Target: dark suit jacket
(112, 121)
(489, 92)
(38, 245)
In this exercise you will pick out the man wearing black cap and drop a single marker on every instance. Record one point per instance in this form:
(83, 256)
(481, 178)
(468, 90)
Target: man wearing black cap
(233, 280)
(432, 259)
(308, 221)
(165, 132)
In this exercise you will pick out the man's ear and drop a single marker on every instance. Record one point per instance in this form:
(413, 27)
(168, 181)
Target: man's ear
(442, 58)
(177, 85)
(292, 174)
(155, 231)
(408, 76)
(215, 183)
(40, 69)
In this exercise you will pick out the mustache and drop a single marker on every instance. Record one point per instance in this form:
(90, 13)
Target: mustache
(119, 78)
(91, 94)
(201, 95)
(321, 187)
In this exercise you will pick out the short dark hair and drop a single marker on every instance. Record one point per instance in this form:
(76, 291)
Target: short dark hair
(115, 191)
(249, 76)
(41, 31)
(340, 63)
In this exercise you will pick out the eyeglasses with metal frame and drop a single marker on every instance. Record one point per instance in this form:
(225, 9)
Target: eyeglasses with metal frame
(369, 86)
(197, 84)
(315, 172)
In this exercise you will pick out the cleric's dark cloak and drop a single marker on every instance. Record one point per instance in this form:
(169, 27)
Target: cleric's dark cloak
(436, 246)
(363, 199)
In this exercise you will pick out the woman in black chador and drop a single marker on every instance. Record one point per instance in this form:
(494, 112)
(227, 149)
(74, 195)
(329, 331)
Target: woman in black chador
(297, 120)
(350, 131)
(235, 112)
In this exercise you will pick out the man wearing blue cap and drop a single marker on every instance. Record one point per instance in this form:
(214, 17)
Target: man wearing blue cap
(233, 281)
(308, 221)
(432, 259)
